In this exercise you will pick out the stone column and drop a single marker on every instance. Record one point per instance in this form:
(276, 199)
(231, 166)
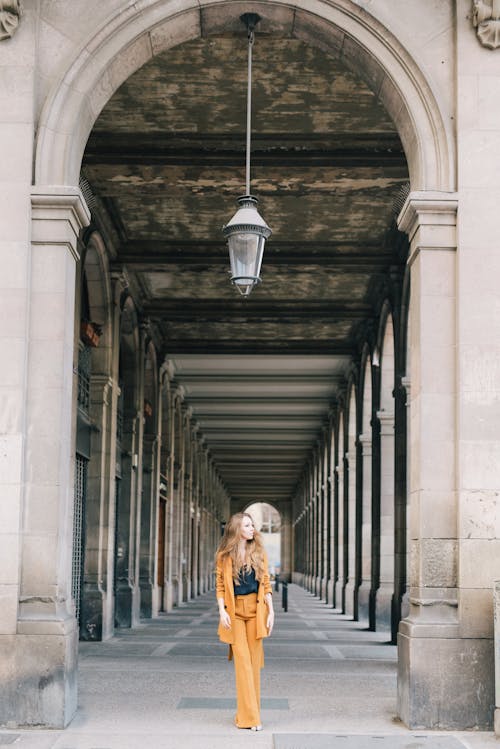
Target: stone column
(168, 425)
(339, 583)
(330, 482)
(95, 621)
(351, 532)
(400, 507)
(149, 525)
(478, 341)
(386, 571)
(177, 500)
(187, 507)
(38, 647)
(375, 499)
(307, 545)
(317, 524)
(434, 666)
(366, 528)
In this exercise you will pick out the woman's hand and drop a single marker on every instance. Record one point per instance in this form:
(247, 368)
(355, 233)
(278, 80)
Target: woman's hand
(270, 622)
(270, 615)
(225, 620)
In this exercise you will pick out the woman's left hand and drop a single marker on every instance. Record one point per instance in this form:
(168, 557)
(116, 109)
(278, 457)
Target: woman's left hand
(270, 622)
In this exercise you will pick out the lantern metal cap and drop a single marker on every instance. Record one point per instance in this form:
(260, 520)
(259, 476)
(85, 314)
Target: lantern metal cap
(247, 219)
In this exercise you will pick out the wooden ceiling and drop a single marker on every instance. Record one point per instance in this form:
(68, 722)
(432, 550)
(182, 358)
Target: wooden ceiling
(165, 163)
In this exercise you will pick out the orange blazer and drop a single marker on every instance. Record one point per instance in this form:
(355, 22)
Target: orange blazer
(225, 589)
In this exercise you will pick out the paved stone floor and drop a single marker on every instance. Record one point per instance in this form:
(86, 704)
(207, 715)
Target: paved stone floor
(328, 683)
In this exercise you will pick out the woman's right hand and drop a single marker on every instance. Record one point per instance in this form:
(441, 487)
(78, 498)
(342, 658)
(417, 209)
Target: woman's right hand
(225, 620)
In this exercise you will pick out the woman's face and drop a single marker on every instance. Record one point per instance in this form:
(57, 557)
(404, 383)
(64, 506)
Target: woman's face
(247, 529)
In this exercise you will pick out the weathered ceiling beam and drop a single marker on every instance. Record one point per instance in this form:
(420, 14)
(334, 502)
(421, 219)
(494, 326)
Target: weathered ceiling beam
(226, 310)
(221, 149)
(246, 346)
(153, 257)
(287, 379)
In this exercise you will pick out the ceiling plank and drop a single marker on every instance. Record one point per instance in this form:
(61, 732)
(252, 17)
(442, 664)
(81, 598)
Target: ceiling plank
(221, 149)
(226, 310)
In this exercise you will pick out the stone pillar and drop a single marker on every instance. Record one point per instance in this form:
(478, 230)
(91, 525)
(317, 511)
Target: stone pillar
(307, 523)
(339, 582)
(386, 580)
(478, 379)
(317, 521)
(496, 604)
(436, 668)
(38, 646)
(187, 508)
(177, 500)
(400, 507)
(96, 620)
(324, 517)
(169, 464)
(351, 532)
(366, 528)
(149, 525)
(317, 525)
(375, 498)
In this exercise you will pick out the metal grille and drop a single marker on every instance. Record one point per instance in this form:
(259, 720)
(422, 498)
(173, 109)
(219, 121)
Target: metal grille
(84, 361)
(119, 417)
(78, 531)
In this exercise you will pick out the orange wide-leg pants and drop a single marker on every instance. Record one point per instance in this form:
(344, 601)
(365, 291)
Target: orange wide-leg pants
(248, 654)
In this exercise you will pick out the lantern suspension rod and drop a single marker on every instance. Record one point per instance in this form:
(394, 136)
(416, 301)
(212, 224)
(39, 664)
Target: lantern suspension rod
(250, 20)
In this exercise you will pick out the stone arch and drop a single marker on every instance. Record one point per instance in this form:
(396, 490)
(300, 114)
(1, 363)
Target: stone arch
(132, 36)
(95, 264)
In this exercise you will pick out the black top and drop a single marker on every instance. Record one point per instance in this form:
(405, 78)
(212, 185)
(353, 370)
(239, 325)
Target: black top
(247, 583)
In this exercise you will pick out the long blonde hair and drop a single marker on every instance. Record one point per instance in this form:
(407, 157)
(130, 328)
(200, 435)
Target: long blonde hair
(229, 547)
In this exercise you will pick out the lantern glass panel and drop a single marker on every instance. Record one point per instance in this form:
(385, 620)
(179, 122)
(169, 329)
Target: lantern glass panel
(246, 251)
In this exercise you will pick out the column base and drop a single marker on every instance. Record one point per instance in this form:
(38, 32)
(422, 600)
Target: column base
(330, 590)
(127, 606)
(349, 598)
(383, 607)
(364, 603)
(38, 675)
(339, 598)
(497, 722)
(147, 597)
(445, 683)
(92, 614)
(317, 586)
(298, 578)
(123, 606)
(168, 597)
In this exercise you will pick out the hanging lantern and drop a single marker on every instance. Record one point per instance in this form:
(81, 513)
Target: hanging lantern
(246, 232)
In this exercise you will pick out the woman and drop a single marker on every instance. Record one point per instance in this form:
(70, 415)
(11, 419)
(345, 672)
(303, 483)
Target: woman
(246, 611)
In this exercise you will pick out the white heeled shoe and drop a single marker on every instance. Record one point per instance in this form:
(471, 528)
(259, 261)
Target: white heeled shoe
(256, 728)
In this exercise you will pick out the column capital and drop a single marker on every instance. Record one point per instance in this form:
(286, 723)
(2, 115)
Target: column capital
(386, 419)
(58, 214)
(365, 440)
(429, 219)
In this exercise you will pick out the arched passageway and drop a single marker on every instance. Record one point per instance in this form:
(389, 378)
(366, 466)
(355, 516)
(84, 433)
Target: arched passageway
(296, 397)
